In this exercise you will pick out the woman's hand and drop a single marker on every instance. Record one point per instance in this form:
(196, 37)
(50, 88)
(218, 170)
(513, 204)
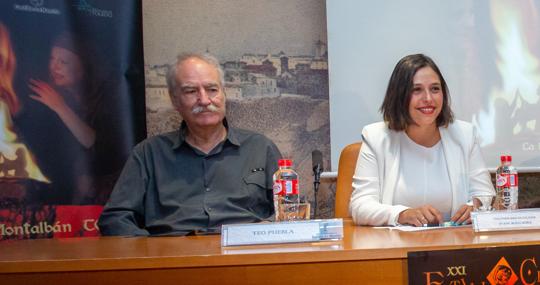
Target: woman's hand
(420, 216)
(47, 95)
(84, 133)
(463, 215)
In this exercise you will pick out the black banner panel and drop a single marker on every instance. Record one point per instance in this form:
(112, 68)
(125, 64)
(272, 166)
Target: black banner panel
(71, 109)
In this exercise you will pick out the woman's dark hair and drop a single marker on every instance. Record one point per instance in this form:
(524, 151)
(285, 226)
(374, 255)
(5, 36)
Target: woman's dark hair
(92, 82)
(395, 107)
(84, 51)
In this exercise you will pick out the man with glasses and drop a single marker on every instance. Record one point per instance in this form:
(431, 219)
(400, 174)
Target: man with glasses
(197, 178)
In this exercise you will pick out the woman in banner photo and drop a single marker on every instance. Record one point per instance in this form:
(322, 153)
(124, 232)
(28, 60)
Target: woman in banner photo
(76, 137)
(420, 166)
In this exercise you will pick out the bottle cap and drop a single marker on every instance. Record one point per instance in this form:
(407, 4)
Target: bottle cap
(506, 158)
(285, 162)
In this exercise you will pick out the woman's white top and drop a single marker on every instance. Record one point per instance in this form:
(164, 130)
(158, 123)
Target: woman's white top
(379, 167)
(423, 177)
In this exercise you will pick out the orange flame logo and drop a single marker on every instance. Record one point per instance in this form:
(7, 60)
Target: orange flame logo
(502, 274)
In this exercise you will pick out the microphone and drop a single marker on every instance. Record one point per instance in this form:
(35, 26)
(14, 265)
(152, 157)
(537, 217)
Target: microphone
(317, 163)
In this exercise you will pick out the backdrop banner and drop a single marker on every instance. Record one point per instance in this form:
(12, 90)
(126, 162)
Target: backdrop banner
(489, 265)
(71, 109)
(275, 62)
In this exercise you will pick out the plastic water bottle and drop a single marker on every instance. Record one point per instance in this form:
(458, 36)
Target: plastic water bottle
(506, 185)
(286, 192)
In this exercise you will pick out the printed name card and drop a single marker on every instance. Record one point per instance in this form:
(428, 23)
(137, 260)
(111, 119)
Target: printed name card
(521, 219)
(281, 232)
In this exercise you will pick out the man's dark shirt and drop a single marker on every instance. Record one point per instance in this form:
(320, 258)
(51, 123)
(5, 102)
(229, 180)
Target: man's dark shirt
(168, 187)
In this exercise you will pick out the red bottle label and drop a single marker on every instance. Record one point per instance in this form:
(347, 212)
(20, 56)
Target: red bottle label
(278, 189)
(507, 180)
(285, 187)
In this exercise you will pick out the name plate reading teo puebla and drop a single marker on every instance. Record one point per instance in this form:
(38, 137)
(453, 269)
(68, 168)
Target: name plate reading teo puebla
(281, 232)
(523, 219)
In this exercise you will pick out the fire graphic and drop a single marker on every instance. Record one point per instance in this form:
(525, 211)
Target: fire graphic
(516, 25)
(16, 161)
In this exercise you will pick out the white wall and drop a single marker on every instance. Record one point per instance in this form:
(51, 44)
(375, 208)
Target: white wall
(487, 51)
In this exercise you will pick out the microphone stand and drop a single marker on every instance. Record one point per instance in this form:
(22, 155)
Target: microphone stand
(316, 183)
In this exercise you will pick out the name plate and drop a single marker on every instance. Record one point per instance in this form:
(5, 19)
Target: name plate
(522, 219)
(281, 232)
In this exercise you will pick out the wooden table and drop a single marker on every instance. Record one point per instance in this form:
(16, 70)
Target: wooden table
(364, 256)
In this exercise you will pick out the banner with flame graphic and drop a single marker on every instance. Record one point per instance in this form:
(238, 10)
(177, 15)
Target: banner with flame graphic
(71, 109)
(487, 51)
(484, 266)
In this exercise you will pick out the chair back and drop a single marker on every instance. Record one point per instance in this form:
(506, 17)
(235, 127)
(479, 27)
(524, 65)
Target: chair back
(346, 168)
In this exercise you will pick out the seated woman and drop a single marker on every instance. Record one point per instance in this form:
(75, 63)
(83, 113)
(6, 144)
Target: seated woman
(419, 166)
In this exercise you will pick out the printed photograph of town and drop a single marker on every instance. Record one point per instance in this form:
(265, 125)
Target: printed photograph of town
(276, 84)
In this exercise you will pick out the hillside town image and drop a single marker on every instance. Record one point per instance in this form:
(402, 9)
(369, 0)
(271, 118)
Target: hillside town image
(282, 96)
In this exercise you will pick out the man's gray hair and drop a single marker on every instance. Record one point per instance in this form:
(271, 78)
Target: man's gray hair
(208, 58)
